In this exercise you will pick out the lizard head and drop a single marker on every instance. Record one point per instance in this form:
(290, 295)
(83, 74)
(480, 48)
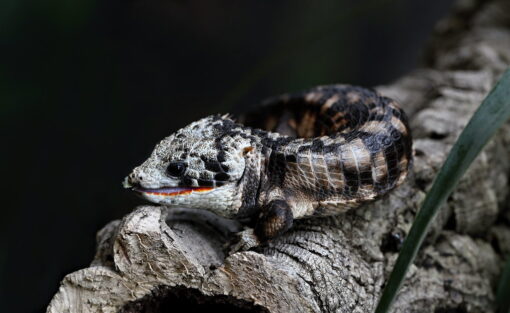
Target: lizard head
(202, 165)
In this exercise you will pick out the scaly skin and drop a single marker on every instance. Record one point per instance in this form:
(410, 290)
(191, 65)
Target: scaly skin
(315, 153)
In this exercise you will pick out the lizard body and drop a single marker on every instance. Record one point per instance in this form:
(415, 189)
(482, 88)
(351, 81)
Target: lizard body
(315, 153)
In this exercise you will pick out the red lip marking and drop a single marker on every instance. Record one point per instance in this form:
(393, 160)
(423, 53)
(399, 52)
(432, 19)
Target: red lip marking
(172, 191)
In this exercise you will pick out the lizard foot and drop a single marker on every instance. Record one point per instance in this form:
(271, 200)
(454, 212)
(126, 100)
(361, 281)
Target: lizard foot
(242, 241)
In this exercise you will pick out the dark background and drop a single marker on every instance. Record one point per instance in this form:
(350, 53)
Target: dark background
(87, 89)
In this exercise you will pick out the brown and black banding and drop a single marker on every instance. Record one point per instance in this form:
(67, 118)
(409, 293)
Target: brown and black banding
(277, 168)
(353, 145)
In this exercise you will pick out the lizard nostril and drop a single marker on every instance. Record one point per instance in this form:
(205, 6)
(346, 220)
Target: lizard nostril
(128, 182)
(132, 179)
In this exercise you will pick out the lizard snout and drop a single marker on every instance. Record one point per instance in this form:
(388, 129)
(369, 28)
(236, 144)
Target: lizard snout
(132, 180)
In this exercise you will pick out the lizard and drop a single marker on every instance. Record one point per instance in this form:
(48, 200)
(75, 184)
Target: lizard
(319, 152)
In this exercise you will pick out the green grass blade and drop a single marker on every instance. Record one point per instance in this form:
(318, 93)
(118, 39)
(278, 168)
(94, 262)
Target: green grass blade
(489, 117)
(503, 293)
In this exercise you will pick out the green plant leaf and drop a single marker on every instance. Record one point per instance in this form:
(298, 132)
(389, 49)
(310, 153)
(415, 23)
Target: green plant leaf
(492, 113)
(503, 293)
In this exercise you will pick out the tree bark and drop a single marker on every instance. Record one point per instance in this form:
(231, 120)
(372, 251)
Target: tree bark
(158, 258)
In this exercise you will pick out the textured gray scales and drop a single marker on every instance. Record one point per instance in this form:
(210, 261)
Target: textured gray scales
(338, 264)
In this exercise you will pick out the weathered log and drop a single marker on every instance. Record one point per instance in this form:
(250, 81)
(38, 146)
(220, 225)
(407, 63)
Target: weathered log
(156, 258)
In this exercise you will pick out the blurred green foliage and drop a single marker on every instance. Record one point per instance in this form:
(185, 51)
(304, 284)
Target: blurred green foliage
(503, 291)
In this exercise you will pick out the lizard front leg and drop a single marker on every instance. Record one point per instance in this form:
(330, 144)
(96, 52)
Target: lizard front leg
(275, 219)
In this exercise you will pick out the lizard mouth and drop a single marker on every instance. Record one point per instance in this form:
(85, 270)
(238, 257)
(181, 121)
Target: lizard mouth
(171, 191)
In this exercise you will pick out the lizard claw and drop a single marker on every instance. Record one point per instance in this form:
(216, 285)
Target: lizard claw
(242, 241)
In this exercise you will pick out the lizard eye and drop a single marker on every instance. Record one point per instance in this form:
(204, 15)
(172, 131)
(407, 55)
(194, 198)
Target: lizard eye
(176, 169)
